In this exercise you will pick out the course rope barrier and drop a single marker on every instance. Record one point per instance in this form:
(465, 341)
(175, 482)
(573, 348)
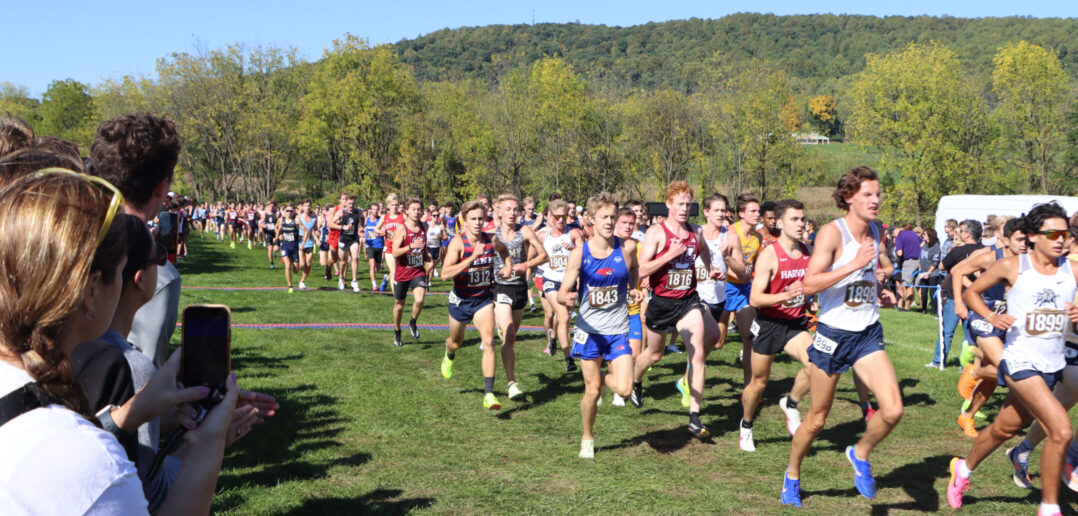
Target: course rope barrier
(362, 326)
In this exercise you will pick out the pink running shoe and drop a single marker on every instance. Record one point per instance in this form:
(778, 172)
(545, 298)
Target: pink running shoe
(958, 485)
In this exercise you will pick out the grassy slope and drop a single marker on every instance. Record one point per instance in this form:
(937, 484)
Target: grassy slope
(366, 427)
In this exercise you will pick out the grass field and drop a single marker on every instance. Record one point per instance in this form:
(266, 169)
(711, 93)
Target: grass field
(365, 427)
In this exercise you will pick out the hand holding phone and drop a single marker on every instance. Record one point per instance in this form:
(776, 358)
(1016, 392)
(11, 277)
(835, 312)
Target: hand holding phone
(206, 350)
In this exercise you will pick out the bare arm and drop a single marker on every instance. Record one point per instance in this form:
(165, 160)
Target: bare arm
(766, 263)
(572, 271)
(399, 250)
(1005, 270)
(454, 265)
(735, 258)
(828, 246)
(979, 261)
(653, 241)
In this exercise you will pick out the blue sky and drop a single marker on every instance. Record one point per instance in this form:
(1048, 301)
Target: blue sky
(89, 41)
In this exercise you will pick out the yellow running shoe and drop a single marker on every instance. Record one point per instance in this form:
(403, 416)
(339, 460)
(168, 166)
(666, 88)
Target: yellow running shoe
(447, 366)
(491, 402)
(683, 388)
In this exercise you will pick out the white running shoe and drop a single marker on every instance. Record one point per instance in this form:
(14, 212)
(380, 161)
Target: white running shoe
(618, 401)
(355, 286)
(515, 392)
(436, 273)
(340, 283)
(793, 417)
(745, 442)
(302, 285)
(587, 448)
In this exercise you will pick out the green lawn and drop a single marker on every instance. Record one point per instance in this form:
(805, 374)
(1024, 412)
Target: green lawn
(365, 427)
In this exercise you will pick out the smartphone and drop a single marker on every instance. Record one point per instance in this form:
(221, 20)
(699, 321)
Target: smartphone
(169, 231)
(206, 349)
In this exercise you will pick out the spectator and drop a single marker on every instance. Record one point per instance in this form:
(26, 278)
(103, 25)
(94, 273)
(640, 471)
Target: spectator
(908, 252)
(138, 154)
(61, 287)
(930, 275)
(992, 224)
(969, 233)
(949, 231)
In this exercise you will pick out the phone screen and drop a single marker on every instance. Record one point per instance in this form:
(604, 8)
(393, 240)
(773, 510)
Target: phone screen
(206, 348)
(169, 230)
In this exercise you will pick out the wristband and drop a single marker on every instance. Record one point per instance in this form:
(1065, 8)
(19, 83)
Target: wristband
(104, 416)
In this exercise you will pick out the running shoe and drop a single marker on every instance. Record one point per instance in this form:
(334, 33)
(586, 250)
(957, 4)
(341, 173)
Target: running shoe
(532, 308)
(745, 440)
(551, 347)
(1070, 463)
(636, 396)
(414, 328)
(587, 448)
(862, 475)
(272, 266)
(1021, 469)
(1041, 512)
(957, 486)
(570, 366)
(289, 290)
(617, 400)
(355, 287)
(514, 392)
(967, 426)
(447, 366)
(302, 286)
(340, 283)
(670, 348)
(967, 383)
(249, 246)
(791, 491)
(397, 341)
(966, 356)
(385, 283)
(965, 407)
(793, 417)
(683, 388)
(699, 431)
(328, 277)
(490, 401)
(232, 245)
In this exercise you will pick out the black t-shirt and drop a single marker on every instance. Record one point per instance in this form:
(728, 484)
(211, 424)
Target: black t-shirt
(957, 254)
(106, 379)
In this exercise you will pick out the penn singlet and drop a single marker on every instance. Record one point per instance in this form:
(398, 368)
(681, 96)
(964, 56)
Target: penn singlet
(289, 231)
(390, 225)
(1038, 304)
(850, 304)
(604, 289)
(557, 250)
(676, 279)
(270, 221)
(750, 246)
(349, 222)
(370, 238)
(712, 291)
(476, 279)
(516, 255)
(410, 266)
(790, 270)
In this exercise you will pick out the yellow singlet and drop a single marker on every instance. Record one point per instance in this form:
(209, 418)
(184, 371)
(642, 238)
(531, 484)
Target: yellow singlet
(750, 245)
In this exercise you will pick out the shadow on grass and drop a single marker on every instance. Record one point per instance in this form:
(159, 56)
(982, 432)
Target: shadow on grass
(917, 479)
(379, 501)
(667, 440)
(207, 260)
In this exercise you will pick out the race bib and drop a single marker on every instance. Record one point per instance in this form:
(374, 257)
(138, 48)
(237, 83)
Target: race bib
(701, 273)
(580, 337)
(679, 279)
(504, 299)
(602, 297)
(795, 302)
(415, 259)
(479, 277)
(860, 294)
(824, 345)
(755, 328)
(981, 325)
(289, 237)
(559, 262)
(1000, 307)
(453, 299)
(1046, 323)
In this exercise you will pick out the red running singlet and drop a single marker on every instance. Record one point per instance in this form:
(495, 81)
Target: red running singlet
(410, 266)
(789, 271)
(676, 279)
(390, 226)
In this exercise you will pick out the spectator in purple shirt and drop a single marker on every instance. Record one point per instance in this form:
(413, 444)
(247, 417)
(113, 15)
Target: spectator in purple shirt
(908, 250)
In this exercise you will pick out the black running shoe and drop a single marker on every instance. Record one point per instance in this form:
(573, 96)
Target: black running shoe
(413, 328)
(570, 366)
(699, 431)
(551, 346)
(636, 397)
(397, 339)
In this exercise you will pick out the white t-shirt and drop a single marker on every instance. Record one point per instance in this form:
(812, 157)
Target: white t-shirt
(53, 461)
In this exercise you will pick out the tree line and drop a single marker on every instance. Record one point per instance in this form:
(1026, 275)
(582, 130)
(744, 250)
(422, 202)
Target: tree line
(260, 123)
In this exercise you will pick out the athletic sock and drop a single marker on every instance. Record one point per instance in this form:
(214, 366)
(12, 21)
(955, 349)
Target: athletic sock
(790, 403)
(488, 384)
(963, 469)
(1023, 450)
(864, 408)
(1049, 508)
(452, 356)
(746, 424)
(638, 385)
(694, 418)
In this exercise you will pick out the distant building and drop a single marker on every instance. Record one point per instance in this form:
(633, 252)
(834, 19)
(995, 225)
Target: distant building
(810, 138)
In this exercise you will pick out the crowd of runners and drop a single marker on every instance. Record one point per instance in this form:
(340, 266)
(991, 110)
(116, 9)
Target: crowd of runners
(620, 285)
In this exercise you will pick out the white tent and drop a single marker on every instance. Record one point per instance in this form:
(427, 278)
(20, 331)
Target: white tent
(979, 207)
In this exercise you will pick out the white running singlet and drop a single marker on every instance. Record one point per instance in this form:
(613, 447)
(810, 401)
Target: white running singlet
(712, 291)
(557, 255)
(850, 304)
(1038, 305)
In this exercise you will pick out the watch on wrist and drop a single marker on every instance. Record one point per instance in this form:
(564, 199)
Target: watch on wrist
(104, 416)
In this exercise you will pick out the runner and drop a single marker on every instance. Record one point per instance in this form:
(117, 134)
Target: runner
(472, 269)
(843, 271)
(251, 228)
(510, 293)
(607, 270)
(268, 224)
(739, 286)
(435, 235)
(411, 272)
(373, 243)
(778, 294)
(668, 261)
(336, 259)
(286, 233)
(987, 340)
(641, 211)
(1039, 305)
(387, 227)
(558, 242)
(307, 221)
(233, 218)
(346, 220)
(326, 253)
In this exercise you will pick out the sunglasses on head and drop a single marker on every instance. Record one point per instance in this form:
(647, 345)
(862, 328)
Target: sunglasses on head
(1054, 234)
(114, 204)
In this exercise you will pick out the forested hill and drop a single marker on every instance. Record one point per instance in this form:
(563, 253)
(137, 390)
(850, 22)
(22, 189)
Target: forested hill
(815, 48)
